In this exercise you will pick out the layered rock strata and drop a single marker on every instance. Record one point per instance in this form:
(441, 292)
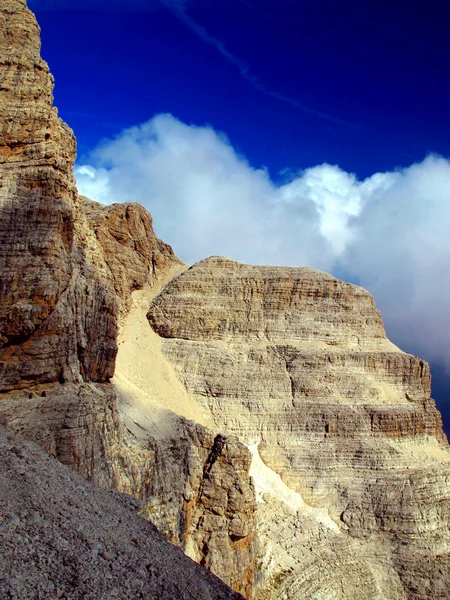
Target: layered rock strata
(193, 484)
(56, 308)
(343, 446)
(133, 254)
(68, 267)
(297, 364)
(65, 538)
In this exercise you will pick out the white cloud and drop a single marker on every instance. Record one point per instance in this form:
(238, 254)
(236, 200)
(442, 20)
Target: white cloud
(401, 253)
(389, 232)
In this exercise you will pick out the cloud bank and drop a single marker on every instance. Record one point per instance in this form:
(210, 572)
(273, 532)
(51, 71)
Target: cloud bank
(389, 232)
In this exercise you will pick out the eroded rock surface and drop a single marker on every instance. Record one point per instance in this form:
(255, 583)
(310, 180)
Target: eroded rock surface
(62, 537)
(194, 484)
(57, 310)
(134, 255)
(262, 383)
(297, 364)
(68, 267)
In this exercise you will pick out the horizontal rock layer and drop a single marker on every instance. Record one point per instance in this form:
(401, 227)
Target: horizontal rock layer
(194, 484)
(298, 363)
(56, 309)
(67, 266)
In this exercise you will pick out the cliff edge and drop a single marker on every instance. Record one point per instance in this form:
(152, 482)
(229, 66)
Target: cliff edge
(258, 415)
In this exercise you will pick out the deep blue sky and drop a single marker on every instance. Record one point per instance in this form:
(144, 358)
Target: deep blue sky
(366, 85)
(379, 70)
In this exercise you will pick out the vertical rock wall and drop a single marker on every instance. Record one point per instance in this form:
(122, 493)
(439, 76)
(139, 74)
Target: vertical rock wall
(57, 312)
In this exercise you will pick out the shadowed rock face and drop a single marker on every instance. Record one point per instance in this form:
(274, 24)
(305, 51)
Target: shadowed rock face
(194, 484)
(67, 266)
(344, 445)
(57, 309)
(64, 538)
(297, 364)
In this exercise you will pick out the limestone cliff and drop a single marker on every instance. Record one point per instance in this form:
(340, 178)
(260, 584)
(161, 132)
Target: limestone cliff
(134, 255)
(68, 267)
(56, 305)
(297, 364)
(260, 414)
(64, 538)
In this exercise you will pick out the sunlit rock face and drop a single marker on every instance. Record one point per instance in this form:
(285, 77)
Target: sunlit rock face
(260, 414)
(297, 363)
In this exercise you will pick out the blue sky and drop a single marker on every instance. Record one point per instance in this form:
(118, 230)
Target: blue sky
(378, 72)
(293, 132)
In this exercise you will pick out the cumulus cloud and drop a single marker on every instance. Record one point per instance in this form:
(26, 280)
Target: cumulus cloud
(388, 232)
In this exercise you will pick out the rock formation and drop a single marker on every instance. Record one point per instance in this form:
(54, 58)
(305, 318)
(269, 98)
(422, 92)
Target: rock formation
(297, 364)
(62, 537)
(68, 267)
(56, 307)
(260, 415)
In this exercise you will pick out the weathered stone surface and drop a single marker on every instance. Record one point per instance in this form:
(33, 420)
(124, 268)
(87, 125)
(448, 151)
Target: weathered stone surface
(297, 364)
(345, 447)
(56, 308)
(67, 265)
(194, 484)
(62, 537)
(134, 255)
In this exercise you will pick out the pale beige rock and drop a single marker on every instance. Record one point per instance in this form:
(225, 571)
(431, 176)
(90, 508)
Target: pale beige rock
(67, 265)
(134, 255)
(194, 484)
(297, 364)
(347, 457)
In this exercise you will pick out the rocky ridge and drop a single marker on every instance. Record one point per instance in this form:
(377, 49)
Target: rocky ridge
(260, 415)
(297, 364)
(62, 537)
(68, 267)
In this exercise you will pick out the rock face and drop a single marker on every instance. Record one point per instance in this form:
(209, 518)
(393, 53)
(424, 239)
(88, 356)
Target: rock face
(297, 364)
(56, 309)
(68, 267)
(260, 415)
(194, 485)
(134, 255)
(64, 538)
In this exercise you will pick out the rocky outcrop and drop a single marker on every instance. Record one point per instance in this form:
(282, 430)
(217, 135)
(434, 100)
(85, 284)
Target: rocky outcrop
(194, 485)
(296, 363)
(134, 255)
(62, 537)
(56, 310)
(246, 383)
(68, 267)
